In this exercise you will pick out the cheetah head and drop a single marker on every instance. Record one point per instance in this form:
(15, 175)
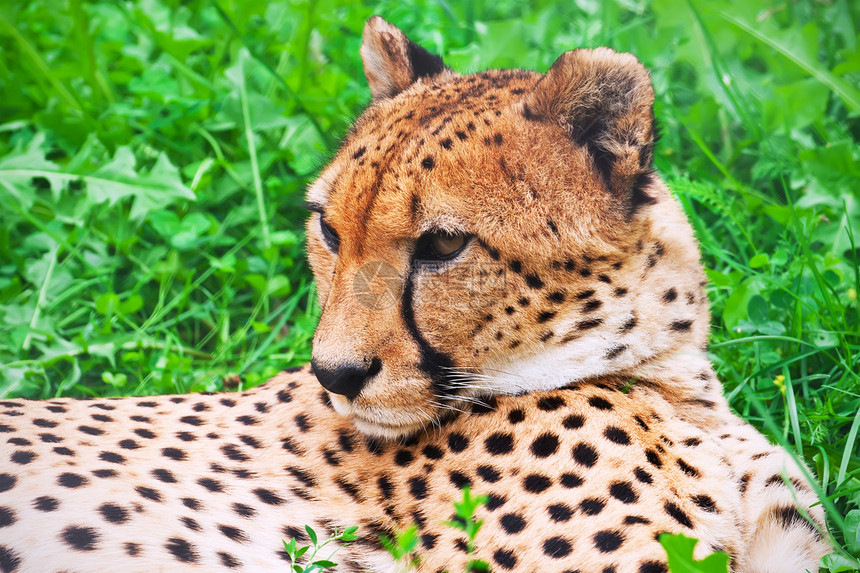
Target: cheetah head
(495, 233)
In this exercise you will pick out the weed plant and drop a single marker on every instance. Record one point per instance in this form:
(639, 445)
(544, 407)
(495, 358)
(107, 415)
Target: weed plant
(153, 155)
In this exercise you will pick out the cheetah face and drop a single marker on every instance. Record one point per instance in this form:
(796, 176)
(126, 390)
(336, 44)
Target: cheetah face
(468, 238)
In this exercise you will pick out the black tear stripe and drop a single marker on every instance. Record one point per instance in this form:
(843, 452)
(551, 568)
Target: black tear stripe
(433, 362)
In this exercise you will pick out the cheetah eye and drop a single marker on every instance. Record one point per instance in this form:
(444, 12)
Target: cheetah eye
(440, 246)
(330, 235)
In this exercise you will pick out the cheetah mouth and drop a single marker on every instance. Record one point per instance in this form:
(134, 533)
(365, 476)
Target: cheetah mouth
(388, 429)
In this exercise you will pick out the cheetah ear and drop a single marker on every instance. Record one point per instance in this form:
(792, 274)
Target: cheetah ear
(391, 61)
(604, 100)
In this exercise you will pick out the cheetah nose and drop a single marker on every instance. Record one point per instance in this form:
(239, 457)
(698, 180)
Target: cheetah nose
(348, 379)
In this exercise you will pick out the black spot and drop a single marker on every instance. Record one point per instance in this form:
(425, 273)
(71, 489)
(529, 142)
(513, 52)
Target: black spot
(517, 267)
(497, 138)
(49, 438)
(607, 541)
(641, 423)
(7, 482)
(91, 431)
(688, 469)
(584, 454)
(623, 492)
(128, 444)
(499, 443)
(592, 305)
(113, 513)
(459, 480)
(186, 436)
(244, 510)
(9, 560)
(22, 457)
(233, 452)
(545, 316)
(588, 324)
(643, 476)
(132, 549)
(46, 504)
(505, 558)
(516, 416)
(600, 403)
(428, 163)
(635, 520)
(653, 458)
(20, 441)
(556, 547)
(488, 474)
(80, 538)
(148, 493)
(457, 442)
(571, 480)
(112, 457)
(190, 523)
(7, 517)
(144, 433)
(616, 435)
(104, 473)
(591, 506)
(212, 485)
(629, 324)
(303, 476)
(677, 514)
(432, 452)
(359, 152)
(191, 503)
(181, 550)
(163, 475)
(418, 487)
(247, 420)
(692, 442)
(615, 351)
(512, 523)
(559, 512)
(495, 501)
(536, 483)
(652, 567)
(71, 480)
(705, 502)
(790, 517)
(228, 560)
(550, 403)
(670, 295)
(428, 540)
(142, 419)
(534, 281)
(173, 453)
(620, 291)
(233, 533)
(573, 422)
(545, 445)
(681, 325)
(267, 496)
(41, 422)
(302, 422)
(191, 420)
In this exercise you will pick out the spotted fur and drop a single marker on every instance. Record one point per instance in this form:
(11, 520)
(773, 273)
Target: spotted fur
(554, 361)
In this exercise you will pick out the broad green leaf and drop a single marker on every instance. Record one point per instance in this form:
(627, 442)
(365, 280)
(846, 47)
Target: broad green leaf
(679, 549)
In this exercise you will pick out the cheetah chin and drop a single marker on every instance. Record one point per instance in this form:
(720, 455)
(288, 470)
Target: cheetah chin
(512, 300)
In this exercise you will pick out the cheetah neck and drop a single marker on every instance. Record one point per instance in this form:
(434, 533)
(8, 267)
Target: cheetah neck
(658, 325)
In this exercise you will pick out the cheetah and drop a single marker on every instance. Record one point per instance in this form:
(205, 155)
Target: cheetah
(511, 300)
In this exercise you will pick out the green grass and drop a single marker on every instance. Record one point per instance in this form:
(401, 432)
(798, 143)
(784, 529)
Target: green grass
(153, 156)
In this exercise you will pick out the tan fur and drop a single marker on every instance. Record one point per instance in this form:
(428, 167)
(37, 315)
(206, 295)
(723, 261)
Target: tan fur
(556, 364)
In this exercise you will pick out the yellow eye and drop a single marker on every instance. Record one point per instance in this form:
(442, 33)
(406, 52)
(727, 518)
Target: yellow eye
(445, 244)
